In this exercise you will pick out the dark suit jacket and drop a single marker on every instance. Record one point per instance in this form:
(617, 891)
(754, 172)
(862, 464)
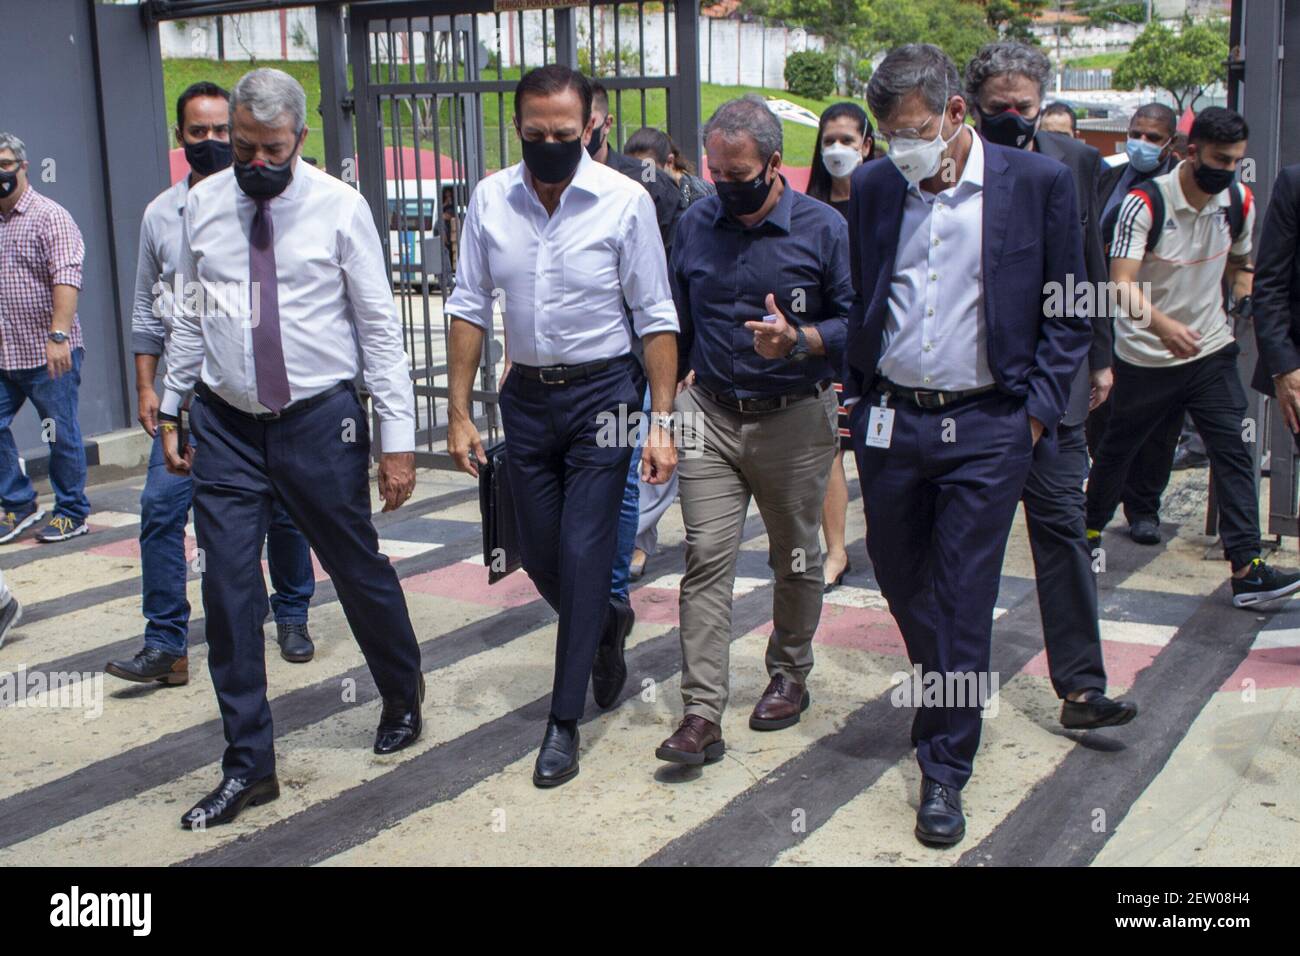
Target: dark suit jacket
(1276, 294)
(1084, 163)
(1110, 176)
(667, 197)
(1031, 237)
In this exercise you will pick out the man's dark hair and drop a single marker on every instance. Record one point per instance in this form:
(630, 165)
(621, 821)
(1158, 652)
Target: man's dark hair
(1214, 124)
(1160, 114)
(1063, 109)
(194, 91)
(552, 79)
(599, 98)
(913, 68)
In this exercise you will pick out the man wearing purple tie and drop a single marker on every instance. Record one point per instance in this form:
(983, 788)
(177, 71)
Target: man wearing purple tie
(284, 301)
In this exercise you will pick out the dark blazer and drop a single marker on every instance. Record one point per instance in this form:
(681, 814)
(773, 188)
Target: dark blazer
(1084, 163)
(1031, 237)
(1276, 294)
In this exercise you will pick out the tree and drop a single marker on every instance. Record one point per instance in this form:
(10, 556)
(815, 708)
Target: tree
(1183, 64)
(1101, 13)
(1013, 18)
(958, 27)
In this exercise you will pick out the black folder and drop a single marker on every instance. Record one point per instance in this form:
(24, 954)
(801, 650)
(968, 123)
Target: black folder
(496, 504)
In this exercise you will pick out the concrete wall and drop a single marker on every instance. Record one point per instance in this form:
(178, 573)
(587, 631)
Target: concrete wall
(100, 157)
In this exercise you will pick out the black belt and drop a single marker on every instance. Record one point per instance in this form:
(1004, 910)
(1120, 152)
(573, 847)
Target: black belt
(929, 397)
(768, 403)
(564, 374)
(208, 395)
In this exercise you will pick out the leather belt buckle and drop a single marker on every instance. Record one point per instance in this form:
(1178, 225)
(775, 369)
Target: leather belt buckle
(552, 375)
(931, 399)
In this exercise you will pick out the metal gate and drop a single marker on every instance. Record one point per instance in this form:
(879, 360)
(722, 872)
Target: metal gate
(434, 99)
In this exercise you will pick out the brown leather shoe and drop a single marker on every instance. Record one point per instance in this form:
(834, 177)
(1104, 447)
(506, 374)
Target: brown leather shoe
(696, 741)
(780, 705)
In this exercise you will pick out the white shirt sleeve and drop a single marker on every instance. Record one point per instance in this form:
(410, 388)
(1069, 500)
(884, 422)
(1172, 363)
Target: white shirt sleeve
(385, 366)
(1242, 246)
(148, 334)
(1131, 229)
(643, 269)
(185, 344)
(472, 298)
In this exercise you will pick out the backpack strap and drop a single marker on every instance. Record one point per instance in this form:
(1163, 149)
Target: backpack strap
(1240, 200)
(1155, 201)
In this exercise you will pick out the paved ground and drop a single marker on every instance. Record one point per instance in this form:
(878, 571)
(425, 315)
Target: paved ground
(100, 772)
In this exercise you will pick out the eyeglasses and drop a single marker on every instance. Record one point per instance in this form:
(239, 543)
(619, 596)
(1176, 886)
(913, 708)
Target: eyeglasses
(9, 165)
(910, 132)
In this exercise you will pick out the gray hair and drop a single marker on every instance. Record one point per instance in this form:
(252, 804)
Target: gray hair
(747, 115)
(1007, 56)
(11, 142)
(914, 67)
(270, 94)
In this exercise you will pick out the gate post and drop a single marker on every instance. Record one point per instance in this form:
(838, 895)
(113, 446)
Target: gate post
(336, 102)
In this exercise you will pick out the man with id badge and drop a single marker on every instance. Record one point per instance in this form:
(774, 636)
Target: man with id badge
(962, 365)
(760, 276)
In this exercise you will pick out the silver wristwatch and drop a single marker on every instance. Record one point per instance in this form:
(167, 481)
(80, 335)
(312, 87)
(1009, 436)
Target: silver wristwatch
(664, 420)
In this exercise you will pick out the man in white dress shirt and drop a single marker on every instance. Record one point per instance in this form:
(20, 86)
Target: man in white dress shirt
(285, 301)
(571, 249)
(203, 129)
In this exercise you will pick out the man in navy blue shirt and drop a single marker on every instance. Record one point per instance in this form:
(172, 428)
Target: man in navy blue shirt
(760, 276)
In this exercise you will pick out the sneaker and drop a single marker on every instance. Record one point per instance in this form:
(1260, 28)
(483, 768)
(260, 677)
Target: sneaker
(61, 528)
(10, 615)
(1094, 539)
(1144, 531)
(14, 523)
(1263, 583)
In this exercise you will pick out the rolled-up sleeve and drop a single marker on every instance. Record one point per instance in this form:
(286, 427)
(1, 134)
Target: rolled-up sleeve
(471, 299)
(64, 249)
(386, 368)
(148, 334)
(184, 349)
(643, 269)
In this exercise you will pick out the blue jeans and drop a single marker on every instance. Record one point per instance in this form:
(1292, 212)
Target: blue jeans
(55, 400)
(629, 514)
(164, 507)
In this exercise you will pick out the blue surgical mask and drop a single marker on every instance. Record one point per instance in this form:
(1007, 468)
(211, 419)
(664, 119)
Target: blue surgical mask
(1144, 156)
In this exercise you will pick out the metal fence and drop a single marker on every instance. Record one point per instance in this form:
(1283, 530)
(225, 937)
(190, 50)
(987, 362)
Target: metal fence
(434, 111)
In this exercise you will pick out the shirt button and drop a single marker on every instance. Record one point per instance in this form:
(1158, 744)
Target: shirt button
(929, 311)
(936, 242)
(928, 346)
(926, 380)
(934, 277)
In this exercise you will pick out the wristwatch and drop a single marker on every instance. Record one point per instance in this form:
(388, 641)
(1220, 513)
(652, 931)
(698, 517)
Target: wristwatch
(664, 420)
(800, 351)
(58, 337)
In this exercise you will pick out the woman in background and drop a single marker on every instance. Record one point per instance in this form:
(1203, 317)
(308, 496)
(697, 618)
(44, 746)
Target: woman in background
(844, 142)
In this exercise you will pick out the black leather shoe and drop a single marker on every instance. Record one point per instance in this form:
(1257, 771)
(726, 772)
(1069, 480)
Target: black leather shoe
(399, 724)
(1144, 531)
(939, 820)
(1096, 711)
(225, 803)
(557, 761)
(609, 671)
(152, 664)
(295, 642)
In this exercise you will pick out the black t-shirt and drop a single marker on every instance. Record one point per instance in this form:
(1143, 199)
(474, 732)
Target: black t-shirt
(667, 197)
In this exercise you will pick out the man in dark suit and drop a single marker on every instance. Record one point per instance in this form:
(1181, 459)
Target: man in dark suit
(963, 343)
(1006, 83)
(1277, 299)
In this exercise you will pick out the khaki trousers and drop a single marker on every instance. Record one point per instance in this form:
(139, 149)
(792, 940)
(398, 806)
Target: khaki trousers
(782, 460)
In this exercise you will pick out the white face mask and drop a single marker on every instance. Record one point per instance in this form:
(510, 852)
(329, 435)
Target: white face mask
(919, 159)
(840, 160)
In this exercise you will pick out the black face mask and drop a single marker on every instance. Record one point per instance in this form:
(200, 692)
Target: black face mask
(263, 181)
(1007, 128)
(597, 140)
(744, 199)
(8, 183)
(552, 163)
(1210, 180)
(207, 156)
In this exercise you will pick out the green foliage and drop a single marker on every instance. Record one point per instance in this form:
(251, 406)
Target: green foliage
(958, 27)
(1103, 12)
(1013, 18)
(810, 73)
(1183, 64)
